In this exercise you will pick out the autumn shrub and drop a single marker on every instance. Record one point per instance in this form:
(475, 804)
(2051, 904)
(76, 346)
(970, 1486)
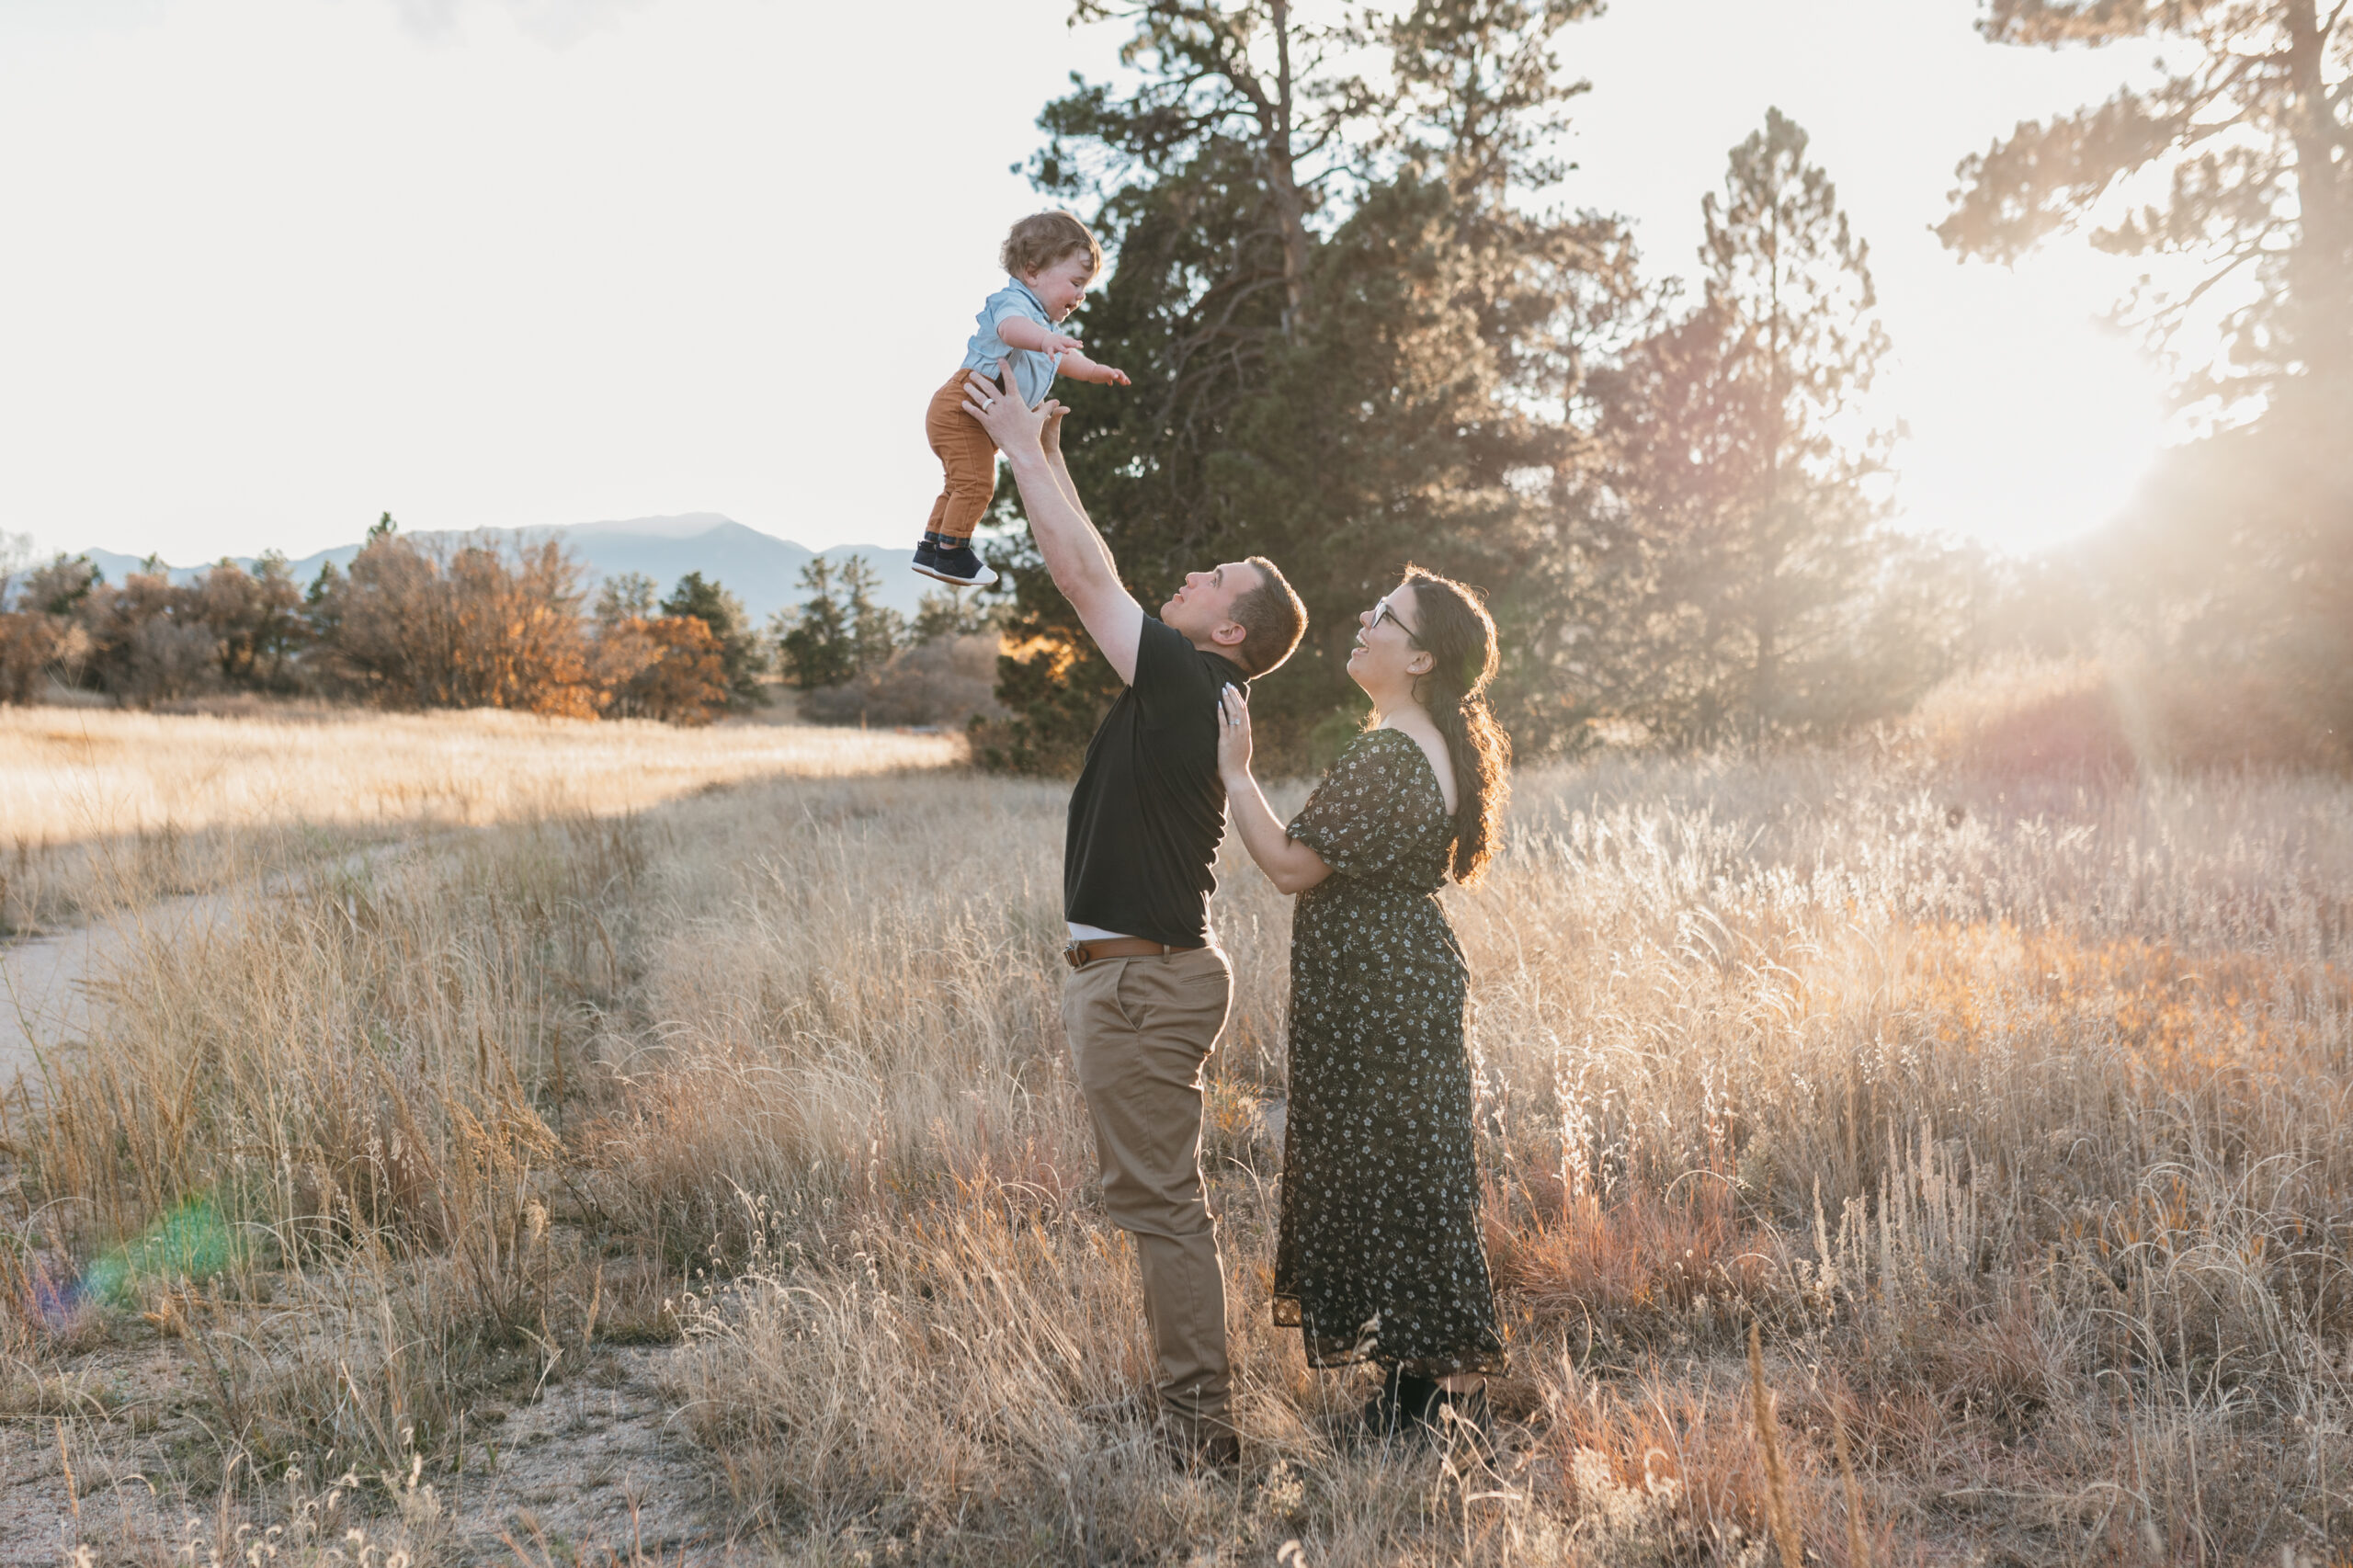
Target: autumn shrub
(666, 667)
(471, 625)
(946, 682)
(2087, 720)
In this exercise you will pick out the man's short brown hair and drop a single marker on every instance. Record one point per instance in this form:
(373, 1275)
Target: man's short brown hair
(1042, 239)
(1271, 617)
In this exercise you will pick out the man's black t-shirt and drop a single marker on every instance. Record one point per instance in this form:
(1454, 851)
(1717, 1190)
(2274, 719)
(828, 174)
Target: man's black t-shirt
(1149, 808)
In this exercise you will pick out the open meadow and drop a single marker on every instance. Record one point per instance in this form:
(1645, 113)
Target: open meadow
(656, 1149)
(106, 807)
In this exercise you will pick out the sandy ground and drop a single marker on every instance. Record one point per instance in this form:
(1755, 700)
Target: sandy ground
(591, 1472)
(103, 1434)
(91, 1447)
(49, 984)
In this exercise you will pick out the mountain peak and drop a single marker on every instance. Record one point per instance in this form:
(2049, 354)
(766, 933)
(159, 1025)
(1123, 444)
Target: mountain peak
(758, 568)
(686, 525)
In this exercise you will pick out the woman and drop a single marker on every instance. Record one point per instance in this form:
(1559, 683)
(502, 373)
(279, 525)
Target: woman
(1379, 1257)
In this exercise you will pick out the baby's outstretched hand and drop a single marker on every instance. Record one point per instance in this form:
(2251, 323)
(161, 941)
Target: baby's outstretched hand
(1063, 343)
(1109, 377)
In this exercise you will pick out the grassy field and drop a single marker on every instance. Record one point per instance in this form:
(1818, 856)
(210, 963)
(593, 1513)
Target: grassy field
(2014, 1114)
(100, 808)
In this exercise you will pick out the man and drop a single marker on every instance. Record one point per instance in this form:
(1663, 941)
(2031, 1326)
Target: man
(1148, 990)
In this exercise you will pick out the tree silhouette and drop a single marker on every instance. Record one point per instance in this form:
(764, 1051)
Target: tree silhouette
(2254, 137)
(741, 655)
(1727, 548)
(1344, 321)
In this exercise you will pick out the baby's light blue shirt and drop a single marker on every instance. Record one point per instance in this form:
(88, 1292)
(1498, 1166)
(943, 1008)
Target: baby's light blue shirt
(1033, 373)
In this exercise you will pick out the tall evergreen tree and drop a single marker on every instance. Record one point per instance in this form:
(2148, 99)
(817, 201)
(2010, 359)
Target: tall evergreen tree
(1729, 567)
(2233, 567)
(2252, 132)
(1344, 328)
(813, 639)
(950, 614)
(741, 655)
(875, 628)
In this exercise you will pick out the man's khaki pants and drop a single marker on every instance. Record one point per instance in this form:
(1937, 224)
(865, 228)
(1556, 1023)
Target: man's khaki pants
(1141, 1030)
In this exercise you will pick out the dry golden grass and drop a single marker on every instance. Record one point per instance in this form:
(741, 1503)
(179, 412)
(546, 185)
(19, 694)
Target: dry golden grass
(2014, 1115)
(100, 807)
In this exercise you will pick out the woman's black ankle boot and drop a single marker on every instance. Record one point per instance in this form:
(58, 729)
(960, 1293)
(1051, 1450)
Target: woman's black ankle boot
(1416, 1399)
(1465, 1416)
(1404, 1407)
(1378, 1419)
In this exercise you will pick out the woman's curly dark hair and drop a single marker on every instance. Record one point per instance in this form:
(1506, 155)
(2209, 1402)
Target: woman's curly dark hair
(1459, 636)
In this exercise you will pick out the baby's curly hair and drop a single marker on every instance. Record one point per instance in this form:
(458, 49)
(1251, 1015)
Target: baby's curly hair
(1042, 239)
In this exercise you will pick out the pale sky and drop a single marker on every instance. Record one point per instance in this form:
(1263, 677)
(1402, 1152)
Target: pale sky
(273, 267)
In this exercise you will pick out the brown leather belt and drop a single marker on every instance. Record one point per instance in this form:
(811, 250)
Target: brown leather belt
(1081, 954)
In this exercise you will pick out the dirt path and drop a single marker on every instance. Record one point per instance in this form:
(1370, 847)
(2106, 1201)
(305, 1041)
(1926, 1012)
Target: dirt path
(593, 1471)
(93, 1443)
(48, 983)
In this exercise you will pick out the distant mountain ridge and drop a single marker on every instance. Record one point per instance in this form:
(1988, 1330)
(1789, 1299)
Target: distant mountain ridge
(760, 569)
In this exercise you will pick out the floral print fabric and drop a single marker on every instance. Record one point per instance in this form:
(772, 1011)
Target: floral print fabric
(1379, 1256)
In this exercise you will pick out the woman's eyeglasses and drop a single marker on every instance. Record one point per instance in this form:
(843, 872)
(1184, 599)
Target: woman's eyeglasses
(1382, 612)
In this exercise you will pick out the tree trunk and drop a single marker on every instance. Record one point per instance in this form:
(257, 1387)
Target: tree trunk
(2323, 266)
(1274, 115)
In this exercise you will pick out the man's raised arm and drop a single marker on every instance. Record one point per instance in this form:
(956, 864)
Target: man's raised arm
(1076, 557)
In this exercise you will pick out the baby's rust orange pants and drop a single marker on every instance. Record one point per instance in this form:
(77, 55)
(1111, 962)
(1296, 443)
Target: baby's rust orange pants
(966, 455)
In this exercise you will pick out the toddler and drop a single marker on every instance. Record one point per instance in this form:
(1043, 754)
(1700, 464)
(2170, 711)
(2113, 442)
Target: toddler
(1050, 259)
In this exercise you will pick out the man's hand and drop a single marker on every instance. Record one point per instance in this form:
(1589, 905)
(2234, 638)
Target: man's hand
(1015, 427)
(1049, 436)
(1076, 558)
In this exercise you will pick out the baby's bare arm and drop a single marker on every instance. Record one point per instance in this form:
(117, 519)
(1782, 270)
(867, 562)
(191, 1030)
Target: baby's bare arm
(1020, 332)
(1079, 368)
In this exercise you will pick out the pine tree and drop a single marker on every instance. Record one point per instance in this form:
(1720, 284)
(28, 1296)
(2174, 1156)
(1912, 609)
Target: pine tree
(814, 641)
(741, 655)
(1728, 551)
(1342, 324)
(875, 628)
(948, 615)
(2252, 137)
(2233, 569)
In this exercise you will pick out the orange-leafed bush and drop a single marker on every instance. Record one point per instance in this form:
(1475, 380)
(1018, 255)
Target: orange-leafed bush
(668, 667)
(415, 627)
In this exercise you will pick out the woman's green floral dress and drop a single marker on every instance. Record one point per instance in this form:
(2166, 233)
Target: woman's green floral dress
(1380, 1256)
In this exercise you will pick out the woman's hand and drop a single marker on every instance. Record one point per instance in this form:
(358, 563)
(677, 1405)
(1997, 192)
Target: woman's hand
(1292, 866)
(1232, 737)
